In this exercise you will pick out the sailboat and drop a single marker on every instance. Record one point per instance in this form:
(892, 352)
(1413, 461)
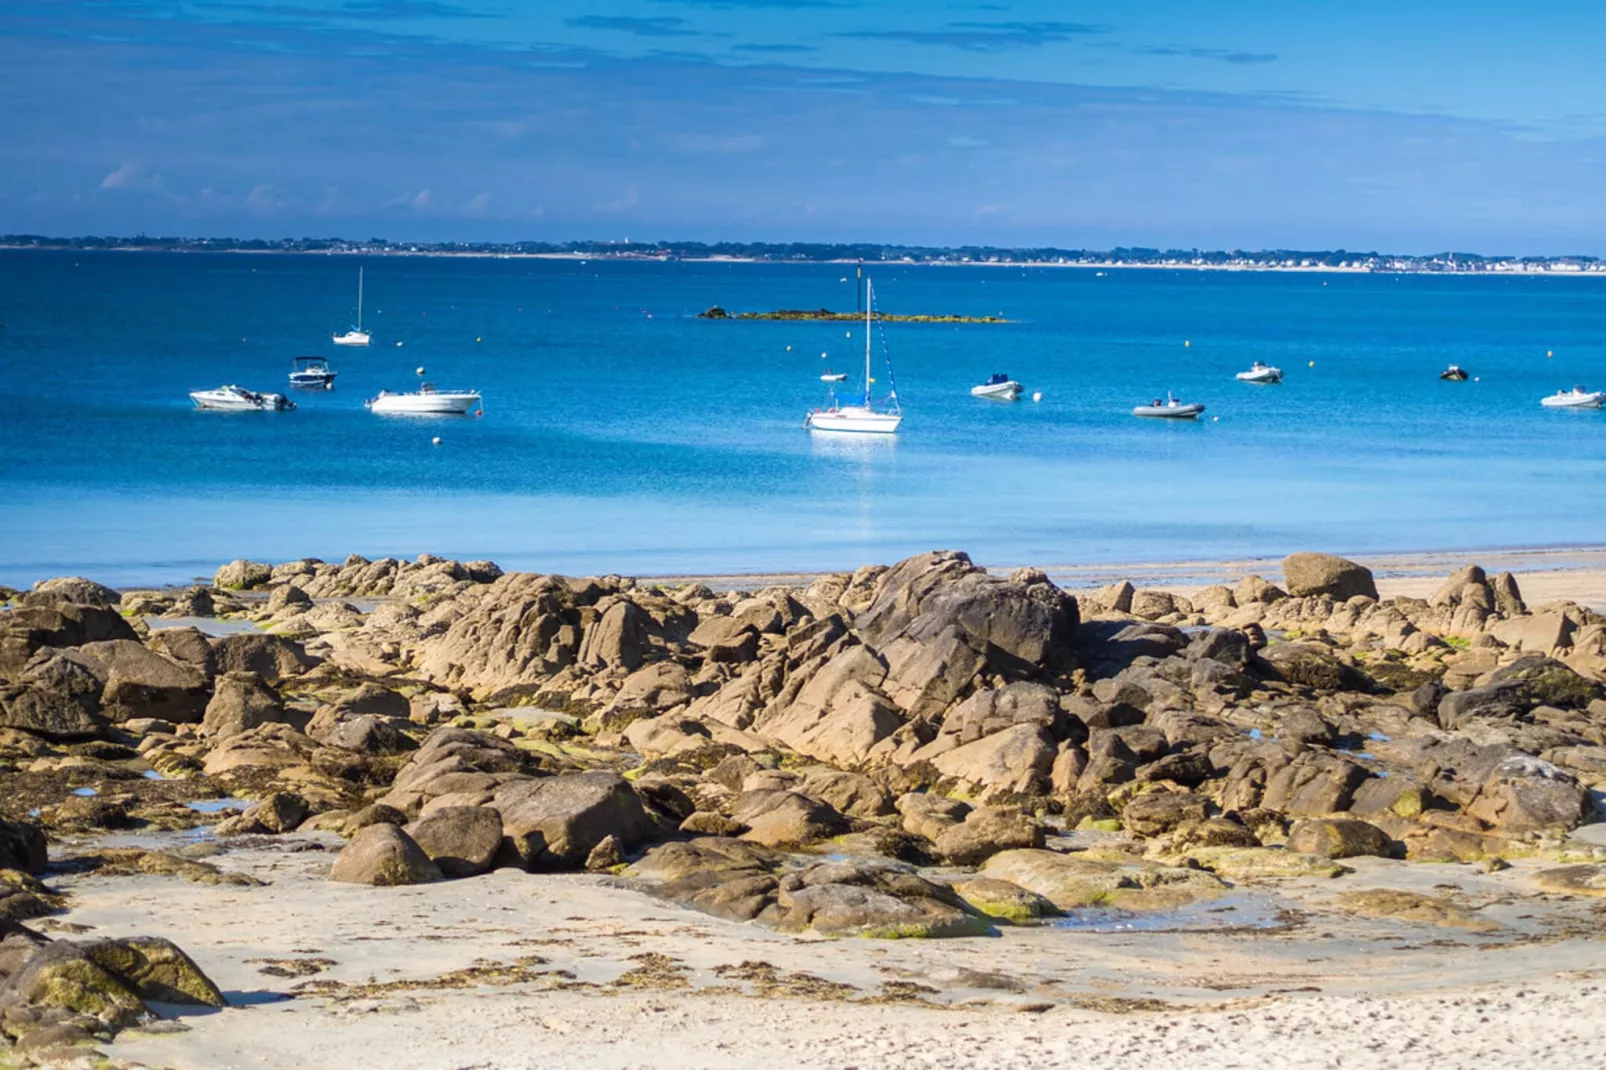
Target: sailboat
(356, 336)
(861, 419)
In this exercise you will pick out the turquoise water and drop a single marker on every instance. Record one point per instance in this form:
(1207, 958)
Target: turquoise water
(622, 434)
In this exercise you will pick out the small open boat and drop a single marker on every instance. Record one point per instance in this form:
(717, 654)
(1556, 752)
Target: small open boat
(1576, 398)
(1169, 409)
(999, 387)
(861, 419)
(834, 377)
(1454, 374)
(425, 401)
(233, 398)
(311, 373)
(1261, 373)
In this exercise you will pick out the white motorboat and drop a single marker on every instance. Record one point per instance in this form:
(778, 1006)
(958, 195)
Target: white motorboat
(1169, 409)
(233, 398)
(356, 336)
(426, 401)
(862, 419)
(834, 377)
(1454, 374)
(1576, 398)
(999, 387)
(1261, 373)
(311, 373)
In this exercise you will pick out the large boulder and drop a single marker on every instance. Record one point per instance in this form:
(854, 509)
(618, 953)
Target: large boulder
(272, 657)
(1323, 574)
(79, 590)
(461, 840)
(1159, 812)
(240, 702)
(1339, 838)
(384, 856)
(779, 818)
(1071, 882)
(139, 682)
(27, 628)
(106, 979)
(22, 846)
(1524, 794)
(555, 822)
(242, 575)
(984, 832)
(1022, 628)
(1312, 665)
(617, 640)
(1017, 759)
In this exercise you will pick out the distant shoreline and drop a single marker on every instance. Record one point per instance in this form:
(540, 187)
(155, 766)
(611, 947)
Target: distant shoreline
(1541, 267)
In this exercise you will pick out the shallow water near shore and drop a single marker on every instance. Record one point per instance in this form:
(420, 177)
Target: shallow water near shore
(622, 434)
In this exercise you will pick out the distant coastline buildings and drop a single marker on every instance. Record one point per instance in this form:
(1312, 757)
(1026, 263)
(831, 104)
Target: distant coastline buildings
(825, 252)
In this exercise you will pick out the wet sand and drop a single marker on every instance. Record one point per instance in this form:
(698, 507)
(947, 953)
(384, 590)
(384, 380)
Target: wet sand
(511, 970)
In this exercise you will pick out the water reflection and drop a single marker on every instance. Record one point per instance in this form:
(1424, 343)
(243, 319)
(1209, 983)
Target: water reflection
(840, 446)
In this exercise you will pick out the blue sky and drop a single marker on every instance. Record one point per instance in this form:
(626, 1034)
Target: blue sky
(1469, 125)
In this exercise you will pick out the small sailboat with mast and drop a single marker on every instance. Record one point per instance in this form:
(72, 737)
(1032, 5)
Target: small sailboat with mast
(861, 418)
(356, 336)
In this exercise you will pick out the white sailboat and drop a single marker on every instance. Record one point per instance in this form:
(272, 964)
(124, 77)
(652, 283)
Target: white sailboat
(356, 336)
(861, 419)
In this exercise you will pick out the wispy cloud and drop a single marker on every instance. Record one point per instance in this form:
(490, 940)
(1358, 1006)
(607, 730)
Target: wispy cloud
(641, 26)
(985, 36)
(362, 10)
(774, 50)
(1222, 55)
(133, 176)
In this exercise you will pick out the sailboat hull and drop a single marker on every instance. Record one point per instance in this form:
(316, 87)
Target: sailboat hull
(351, 338)
(857, 421)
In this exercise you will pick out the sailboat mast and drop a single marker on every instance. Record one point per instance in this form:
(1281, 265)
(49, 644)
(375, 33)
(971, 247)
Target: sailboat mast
(359, 297)
(869, 299)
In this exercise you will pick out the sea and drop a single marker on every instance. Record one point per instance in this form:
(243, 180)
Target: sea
(621, 433)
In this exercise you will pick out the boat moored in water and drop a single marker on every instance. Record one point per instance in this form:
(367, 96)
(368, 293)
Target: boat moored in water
(426, 401)
(233, 398)
(1169, 409)
(999, 386)
(356, 336)
(834, 377)
(1576, 398)
(862, 418)
(1454, 374)
(1261, 373)
(311, 373)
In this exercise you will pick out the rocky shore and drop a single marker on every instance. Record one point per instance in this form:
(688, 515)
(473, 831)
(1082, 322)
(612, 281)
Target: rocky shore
(924, 750)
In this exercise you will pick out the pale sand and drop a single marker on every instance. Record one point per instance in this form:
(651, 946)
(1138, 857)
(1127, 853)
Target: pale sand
(1331, 991)
(1545, 575)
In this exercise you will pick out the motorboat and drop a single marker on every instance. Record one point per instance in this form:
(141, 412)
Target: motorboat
(1261, 373)
(426, 401)
(860, 418)
(1454, 374)
(1169, 409)
(1576, 398)
(233, 398)
(311, 373)
(834, 377)
(356, 336)
(999, 386)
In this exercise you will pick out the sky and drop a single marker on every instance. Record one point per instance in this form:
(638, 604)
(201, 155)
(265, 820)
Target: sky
(1468, 125)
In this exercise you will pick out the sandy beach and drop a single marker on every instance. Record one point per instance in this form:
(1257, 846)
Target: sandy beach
(427, 815)
(588, 972)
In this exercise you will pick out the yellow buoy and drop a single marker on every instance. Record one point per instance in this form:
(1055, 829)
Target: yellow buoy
(1550, 352)
(1312, 364)
(789, 349)
(479, 339)
(1186, 344)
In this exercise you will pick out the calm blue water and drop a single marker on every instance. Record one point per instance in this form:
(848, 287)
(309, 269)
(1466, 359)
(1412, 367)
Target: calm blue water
(621, 434)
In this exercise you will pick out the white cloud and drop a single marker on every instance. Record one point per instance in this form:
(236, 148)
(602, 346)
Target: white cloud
(629, 200)
(478, 204)
(265, 198)
(132, 176)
